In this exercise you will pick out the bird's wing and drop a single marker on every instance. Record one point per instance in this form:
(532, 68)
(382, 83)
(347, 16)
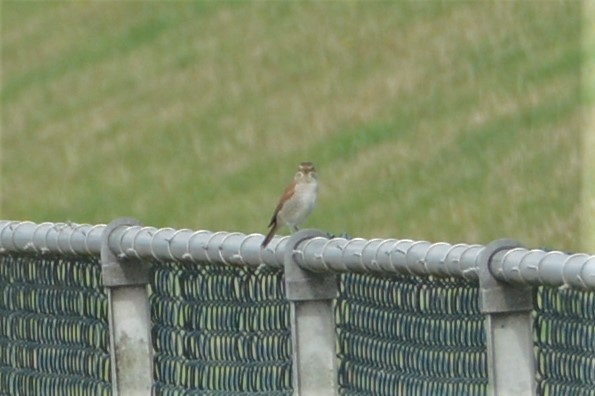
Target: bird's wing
(287, 194)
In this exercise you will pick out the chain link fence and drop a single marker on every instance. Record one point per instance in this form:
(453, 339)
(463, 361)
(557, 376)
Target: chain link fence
(222, 329)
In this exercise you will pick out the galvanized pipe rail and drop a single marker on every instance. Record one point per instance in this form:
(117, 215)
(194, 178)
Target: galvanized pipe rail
(519, 266)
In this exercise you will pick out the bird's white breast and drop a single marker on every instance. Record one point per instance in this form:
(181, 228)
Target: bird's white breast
(300, 205)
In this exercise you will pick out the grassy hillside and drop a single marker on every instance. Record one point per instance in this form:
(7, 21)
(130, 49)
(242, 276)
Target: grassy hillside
(453, 121)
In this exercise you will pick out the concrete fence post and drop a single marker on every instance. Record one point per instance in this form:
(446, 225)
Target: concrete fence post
(507, 311)
(129, 316)
(314, 368)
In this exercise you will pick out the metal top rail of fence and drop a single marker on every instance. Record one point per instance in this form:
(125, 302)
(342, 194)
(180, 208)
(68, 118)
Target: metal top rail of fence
(516, 265)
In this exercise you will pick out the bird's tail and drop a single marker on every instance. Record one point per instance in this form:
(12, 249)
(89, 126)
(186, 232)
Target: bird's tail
(270, 235)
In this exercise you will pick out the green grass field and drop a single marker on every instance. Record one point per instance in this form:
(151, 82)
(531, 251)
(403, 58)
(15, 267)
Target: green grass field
(454, 121)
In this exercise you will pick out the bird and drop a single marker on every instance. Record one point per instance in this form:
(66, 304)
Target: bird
(297, 201)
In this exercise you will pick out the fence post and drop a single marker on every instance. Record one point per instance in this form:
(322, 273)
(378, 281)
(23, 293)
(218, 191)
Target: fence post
(507, 311)
(129, 317)
(314, 368)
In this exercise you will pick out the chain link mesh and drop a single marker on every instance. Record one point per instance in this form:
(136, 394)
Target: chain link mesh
(564, 333)
(53, 326)
(222, 330)
(406, 335)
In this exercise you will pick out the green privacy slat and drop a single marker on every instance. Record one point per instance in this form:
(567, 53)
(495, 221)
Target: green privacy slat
(568, 367)
(354, 377)
(565, 333)
(572, 303)
(443, 331)
(32, 383)
(553, 388)
(169, 390)
(428, 295)
(440, 362)
(84, 333)
(56, 271)
(233, 346)
(58, 360)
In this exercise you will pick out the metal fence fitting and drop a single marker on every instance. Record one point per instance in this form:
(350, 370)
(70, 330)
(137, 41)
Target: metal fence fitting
(311, 295)
(509, 338)
(126, 280)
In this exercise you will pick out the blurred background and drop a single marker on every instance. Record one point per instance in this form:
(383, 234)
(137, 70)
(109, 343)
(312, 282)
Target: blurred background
(444, 121)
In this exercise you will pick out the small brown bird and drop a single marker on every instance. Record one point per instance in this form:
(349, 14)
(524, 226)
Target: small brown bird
(297, 201)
